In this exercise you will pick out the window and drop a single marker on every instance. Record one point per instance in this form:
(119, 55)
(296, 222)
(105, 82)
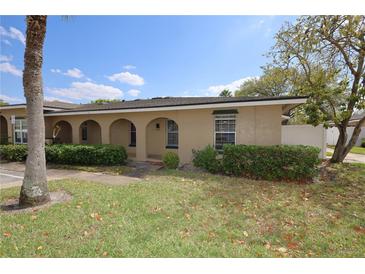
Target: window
(84, 131)
(225, 130)
(172, 134)
(133, 135)
(20, 131)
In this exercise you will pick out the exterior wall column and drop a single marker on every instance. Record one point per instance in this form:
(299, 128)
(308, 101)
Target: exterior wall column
(75, 133)
(141, 144)
(105, 133)
(10, 129)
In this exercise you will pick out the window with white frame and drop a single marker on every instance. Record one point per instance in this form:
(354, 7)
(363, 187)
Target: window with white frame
(20, 131)
(172, 134)
(224, 130)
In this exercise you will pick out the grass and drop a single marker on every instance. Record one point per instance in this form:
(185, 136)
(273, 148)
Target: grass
(356, 150)
(181, 214)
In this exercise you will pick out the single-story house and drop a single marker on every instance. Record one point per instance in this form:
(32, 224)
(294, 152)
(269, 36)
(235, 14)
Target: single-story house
(148, 128)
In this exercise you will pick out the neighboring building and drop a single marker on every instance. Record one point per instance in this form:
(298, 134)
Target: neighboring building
(148, 128)
(333, 133)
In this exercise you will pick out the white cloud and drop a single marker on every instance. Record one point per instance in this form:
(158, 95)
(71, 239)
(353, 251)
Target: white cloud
(74, 73)
(129, 67)
(4, 58)
(215, 90)
(51, 98)
(9, 68)
(128, 78)
(56, 71)
(88, 91)
(13, 33)
(11, 99)
(134, 92)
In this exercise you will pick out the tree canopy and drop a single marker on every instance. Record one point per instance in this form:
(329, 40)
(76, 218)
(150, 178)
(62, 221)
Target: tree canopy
(225, 93)
(327, 54)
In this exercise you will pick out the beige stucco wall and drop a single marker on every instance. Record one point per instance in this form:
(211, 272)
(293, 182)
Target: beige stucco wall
(259, 125)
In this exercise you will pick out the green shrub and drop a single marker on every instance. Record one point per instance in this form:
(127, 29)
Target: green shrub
(281, 162)
(14, 153)
(71, 154)
(171, 160)
(207, 159)
(363, 142)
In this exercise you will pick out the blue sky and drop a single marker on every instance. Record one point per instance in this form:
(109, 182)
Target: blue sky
(129, 57)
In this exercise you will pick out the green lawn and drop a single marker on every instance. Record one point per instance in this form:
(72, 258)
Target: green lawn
(180, 214)
(357, 150)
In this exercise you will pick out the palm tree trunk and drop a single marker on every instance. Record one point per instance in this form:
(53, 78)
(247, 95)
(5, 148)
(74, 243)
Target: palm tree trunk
(34, 190)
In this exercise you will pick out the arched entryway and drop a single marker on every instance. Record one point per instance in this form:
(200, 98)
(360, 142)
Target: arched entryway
(162, 135)
(62, 133)
(3, 130)
(123, 132)
(90, 133)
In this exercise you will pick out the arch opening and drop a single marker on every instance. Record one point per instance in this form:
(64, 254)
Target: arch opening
(162, 135)
(90, 133)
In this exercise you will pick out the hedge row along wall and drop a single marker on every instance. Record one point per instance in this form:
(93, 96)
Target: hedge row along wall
(71, 154)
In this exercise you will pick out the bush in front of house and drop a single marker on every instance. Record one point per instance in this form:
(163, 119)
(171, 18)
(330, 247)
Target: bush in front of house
(71, 154)
(13, 153)
(171, 160)
(207, 159)
(86, 154)
(363, 142)
(280, 162)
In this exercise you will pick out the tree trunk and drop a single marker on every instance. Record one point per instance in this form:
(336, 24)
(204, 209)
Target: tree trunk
(341, 149)
(339, 153)
(34, 190)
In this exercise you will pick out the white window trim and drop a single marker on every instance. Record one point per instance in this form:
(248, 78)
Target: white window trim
(167, 134)
(225, 117)
(21, 130)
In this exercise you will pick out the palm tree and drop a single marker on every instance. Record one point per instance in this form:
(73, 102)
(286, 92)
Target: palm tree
(34, 190)
(225, 93)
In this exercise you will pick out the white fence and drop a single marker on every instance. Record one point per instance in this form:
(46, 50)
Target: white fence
(305, 135)
(332, 135)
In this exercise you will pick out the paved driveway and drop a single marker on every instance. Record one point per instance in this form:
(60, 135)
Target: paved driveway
(351, 157)
(11, 174)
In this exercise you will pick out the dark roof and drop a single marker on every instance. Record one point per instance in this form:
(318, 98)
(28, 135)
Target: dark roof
(59, 104)
(173, 101)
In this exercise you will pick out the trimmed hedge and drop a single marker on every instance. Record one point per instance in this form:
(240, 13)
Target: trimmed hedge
(207, 159)
(13, 153)
(171, 160)
(280, 162)
(71, 154)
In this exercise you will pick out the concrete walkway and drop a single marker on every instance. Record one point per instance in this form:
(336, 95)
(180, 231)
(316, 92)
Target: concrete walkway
(351, 157)
(11, 174)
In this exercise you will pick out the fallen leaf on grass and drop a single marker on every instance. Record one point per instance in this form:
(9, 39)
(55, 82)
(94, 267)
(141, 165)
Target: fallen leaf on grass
(96, 216)
(105, 253)
(292, 245)
(33, 217)
(40, 247)
(245, 233)
(7, 234)
(360, 229)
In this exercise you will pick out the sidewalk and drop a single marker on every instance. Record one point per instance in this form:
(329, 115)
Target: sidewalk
(11, 175)
(351, 157)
